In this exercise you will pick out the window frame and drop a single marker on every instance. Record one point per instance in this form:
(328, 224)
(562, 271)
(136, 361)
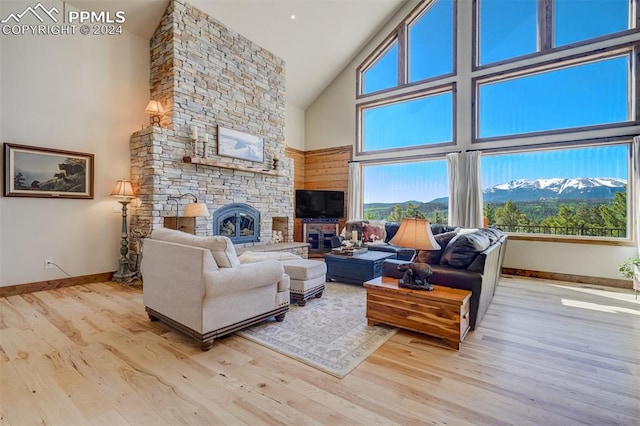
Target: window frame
(628, 49)
(403, 160)
(401, 34)
(373, 59)
(545, 33)
(464, 86)
(630, 239)
(362, 107)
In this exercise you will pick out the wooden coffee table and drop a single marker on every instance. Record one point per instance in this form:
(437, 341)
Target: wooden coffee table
(442, 313)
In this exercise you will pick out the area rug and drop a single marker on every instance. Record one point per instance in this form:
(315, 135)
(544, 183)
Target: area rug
(329, 333)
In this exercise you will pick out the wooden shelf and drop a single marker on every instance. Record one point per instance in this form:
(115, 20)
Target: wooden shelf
(214, 163)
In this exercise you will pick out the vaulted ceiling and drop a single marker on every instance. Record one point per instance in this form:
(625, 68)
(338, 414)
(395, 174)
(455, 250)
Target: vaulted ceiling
(316, 45)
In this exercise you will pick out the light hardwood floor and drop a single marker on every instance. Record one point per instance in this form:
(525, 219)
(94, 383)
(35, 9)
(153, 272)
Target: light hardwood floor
(545, 353)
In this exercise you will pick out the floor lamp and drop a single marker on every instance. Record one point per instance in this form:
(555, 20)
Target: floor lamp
(124, 191)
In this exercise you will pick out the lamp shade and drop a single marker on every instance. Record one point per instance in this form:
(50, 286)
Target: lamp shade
(415, 234)
(196, 210)
(154, 107)
(123, 189)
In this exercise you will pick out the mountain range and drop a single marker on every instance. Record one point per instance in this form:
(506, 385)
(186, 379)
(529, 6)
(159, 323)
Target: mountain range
(554, 189)
(522, 190)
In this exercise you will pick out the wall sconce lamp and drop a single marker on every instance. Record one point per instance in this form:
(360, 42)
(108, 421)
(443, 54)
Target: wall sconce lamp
(194, 209)
(124, 191)
(155, 109)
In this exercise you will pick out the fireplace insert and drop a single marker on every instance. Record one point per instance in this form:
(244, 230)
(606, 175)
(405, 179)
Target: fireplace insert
(238, 221)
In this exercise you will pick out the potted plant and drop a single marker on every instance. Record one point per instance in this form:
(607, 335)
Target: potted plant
(630, 268)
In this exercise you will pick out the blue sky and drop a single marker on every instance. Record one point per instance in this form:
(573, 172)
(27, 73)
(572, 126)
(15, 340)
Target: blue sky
(547, 101)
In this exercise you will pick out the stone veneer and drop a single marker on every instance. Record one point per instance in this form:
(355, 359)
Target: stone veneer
(207, 75)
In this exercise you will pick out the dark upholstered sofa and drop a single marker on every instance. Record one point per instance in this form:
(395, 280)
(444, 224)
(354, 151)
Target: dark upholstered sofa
(469, 259)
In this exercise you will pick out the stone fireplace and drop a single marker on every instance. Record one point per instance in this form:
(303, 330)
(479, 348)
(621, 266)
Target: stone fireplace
(206, 75)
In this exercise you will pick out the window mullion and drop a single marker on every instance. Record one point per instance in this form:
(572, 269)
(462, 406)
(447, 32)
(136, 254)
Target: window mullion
(403, 57)
(545, 25)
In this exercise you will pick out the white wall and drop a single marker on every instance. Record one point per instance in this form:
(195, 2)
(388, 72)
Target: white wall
(294, 126)
(331, 121)
(78, 93)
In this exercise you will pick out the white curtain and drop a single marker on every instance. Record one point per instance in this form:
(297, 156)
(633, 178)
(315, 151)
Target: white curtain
(473, 199)
(354, 208)
(457, 192)
(635, 198)
(465, 189)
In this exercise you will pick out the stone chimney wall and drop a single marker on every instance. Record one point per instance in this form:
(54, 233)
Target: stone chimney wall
(206, 75)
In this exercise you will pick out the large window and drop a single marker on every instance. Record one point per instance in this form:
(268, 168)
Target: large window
(547, 91)
(508, 29)
(421, 48)
(596, 17)
(410, 189)
(412, 122)
(571, 191)
(431, 42)
(383, 73)
(585, 94)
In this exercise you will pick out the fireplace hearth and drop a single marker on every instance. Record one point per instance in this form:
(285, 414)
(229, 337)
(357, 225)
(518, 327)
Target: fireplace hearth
(238, 221)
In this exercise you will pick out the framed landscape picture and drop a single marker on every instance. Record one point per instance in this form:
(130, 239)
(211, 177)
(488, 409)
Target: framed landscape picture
(232, 143)
(31, 171)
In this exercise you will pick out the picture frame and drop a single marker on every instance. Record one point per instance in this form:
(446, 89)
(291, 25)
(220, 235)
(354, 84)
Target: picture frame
(236, 144)
(31, 171)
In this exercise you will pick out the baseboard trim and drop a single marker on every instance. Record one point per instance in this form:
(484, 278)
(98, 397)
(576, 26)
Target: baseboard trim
(556, 276)
(13, 290)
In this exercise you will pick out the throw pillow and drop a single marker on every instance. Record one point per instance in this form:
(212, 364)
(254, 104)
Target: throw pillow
(463, 249)
(372, 234)
(391, 229)
(220, 247)
(432, 257)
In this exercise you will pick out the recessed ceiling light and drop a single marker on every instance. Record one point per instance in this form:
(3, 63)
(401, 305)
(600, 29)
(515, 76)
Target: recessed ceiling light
(293, 17)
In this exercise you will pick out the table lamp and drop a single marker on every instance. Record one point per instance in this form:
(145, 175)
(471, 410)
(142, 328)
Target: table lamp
(415, 234)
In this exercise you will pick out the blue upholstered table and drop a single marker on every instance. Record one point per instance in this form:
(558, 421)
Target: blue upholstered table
(355, 269)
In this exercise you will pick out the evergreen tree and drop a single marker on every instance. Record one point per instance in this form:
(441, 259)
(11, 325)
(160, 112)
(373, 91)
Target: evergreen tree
(413, 212)
(20, 181)
(614, 216)
(510, 217)
(490, 213)
(437, 217)
(396, 215)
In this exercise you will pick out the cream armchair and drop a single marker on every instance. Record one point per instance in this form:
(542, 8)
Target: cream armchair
(198, 286)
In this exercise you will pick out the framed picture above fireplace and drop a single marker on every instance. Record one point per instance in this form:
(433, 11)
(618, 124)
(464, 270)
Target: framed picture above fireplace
(232, 143)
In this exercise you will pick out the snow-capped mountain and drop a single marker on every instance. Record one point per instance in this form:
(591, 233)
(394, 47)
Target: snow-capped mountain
(555, 188)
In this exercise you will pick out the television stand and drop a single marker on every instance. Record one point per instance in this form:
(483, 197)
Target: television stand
(318, 233)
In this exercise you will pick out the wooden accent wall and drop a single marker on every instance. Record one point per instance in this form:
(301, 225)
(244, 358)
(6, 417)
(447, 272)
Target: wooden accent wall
(321, 169)
(298, 183)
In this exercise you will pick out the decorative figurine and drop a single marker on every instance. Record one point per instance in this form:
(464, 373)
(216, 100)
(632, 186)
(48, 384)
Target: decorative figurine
(416, 276)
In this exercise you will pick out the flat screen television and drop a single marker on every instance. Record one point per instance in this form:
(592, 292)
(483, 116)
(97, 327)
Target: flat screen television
(317, 204)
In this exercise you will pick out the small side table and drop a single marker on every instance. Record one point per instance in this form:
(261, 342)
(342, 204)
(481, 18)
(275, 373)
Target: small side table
(442, 313)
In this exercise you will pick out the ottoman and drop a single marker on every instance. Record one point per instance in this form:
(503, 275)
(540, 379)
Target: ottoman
(307, 279)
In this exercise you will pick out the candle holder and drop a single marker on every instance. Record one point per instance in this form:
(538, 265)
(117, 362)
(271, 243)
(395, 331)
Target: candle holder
(194, 147)
(275, 163)
(194, 141)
